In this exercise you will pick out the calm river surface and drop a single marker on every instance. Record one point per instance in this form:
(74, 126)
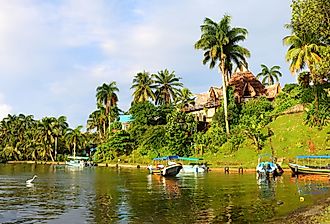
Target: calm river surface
(109, 195)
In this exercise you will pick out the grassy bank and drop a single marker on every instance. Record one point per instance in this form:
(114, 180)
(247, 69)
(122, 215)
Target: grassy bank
(291, 138)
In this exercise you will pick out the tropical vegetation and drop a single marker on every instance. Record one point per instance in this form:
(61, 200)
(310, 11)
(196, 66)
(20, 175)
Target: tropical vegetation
(160, 120)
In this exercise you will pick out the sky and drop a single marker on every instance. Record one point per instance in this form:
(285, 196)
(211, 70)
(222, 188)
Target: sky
(55, 53)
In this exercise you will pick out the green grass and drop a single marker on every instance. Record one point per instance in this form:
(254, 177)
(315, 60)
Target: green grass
(291, 138)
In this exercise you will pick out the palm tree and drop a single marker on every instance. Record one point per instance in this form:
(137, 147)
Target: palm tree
(167, 87)
(59, 127)
(143, 85)
(106, 94)
(219, 41)
(74, 137)
(46, 136)
(185, 98)
(302, 51)
(269, 75)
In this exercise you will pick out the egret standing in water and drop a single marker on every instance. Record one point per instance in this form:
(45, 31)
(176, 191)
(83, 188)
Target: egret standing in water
(31, 180)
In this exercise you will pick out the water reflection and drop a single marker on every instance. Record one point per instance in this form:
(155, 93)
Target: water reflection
(311, 185)
(169, 185)
(267, 187)
(105, 195)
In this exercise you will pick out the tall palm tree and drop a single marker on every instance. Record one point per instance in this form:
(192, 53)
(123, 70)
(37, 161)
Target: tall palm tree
(46, 136)
(74, 137)
(219, 41)
(143, 85)
(106, 94)
(167, 87)
(59, 127)
(269, 75)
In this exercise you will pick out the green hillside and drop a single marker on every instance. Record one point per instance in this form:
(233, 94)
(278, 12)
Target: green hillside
(291, 137)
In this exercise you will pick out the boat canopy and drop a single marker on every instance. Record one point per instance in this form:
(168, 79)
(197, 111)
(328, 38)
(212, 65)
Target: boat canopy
(166, 158)
(177, 157)
(79, 157)
(314, 157)
(189, 159)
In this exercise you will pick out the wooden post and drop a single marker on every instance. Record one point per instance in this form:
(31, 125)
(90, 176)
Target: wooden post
(240, 170)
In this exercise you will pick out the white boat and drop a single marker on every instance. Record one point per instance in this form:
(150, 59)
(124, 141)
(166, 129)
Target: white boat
(77, 161)
(194, 166)
(171, 169)
(266, 169)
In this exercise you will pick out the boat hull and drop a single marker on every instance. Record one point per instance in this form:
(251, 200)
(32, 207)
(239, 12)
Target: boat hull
(193, 169)
(167, 171)
(75, 163)
(299, 169)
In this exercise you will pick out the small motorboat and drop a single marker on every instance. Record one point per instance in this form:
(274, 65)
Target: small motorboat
(266, 169)
(77, 161)
(170, 169)
(196, 165)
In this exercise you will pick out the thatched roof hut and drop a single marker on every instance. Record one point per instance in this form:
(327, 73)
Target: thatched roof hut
(246, 86)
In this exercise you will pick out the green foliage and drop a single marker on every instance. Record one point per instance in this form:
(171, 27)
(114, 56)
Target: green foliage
(233, 111)
(269, 75)
(317, 113)
(254, 117)
(148, 114)
(216, 137)
(167, 86)
(291, 95)
(311, 17)
(143, 85)
(104, 153)
(236, 140)
(153, 141)
(145, 115)
(180, 128)
(120, 142)
(115, 126)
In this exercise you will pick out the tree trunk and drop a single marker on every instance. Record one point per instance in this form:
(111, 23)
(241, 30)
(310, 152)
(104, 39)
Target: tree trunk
(108, 116)
(55, 152)
(50, 153)
(224, 93)
(74, 150)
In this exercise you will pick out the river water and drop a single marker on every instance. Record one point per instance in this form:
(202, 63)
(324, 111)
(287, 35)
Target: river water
(109, 195)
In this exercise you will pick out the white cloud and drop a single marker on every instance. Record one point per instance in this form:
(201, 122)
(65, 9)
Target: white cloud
(5, 109)
(58, 52)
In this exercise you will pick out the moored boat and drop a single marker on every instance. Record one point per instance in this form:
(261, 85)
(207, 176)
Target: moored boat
(171, 169)
(195, 165)
(313, 165)
(266, 169)
(77, 161)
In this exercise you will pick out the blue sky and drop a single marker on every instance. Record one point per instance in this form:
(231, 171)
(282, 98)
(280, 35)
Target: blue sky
(54, 54)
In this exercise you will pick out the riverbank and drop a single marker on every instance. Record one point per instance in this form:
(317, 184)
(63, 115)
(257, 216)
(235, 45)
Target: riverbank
(317, 213)
(224, 169)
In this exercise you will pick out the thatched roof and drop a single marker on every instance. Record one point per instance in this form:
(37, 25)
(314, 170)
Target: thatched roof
(201, 98)
(273, 90)
(246, 85)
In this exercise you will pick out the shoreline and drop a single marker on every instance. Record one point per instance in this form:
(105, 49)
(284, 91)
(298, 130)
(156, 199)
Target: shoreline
(233, 169)
(315, 213)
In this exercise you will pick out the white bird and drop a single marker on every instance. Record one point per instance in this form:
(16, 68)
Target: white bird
(31, 180)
